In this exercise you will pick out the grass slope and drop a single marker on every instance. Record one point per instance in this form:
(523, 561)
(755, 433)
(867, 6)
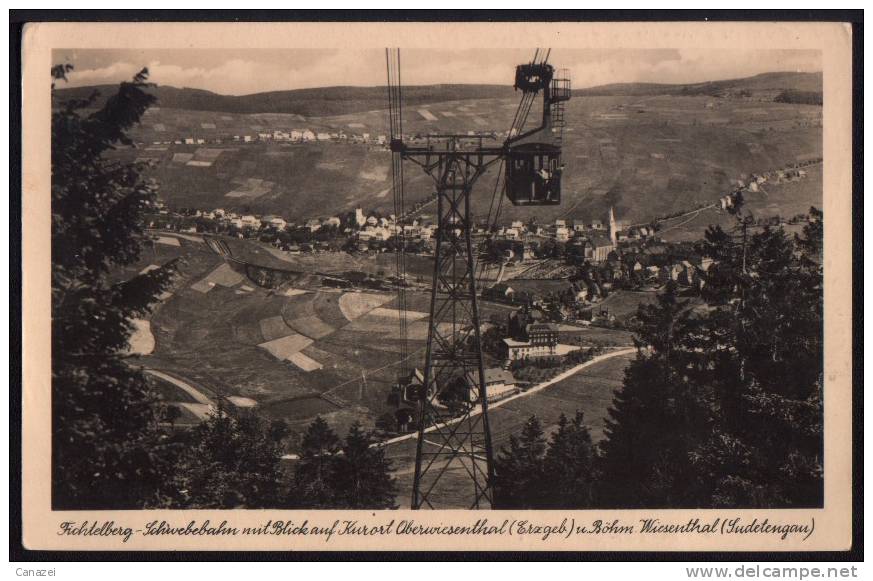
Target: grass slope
(646, 156)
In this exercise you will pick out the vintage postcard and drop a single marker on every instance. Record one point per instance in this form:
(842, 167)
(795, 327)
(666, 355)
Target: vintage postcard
(437, 286)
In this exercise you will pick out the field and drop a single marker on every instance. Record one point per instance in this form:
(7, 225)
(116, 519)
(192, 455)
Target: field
(335, 263)
(647, 156)
(296, 351)
(326, 352)
(783, 199)
(623, 303)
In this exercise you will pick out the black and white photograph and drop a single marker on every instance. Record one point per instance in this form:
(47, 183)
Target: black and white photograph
(374, 278)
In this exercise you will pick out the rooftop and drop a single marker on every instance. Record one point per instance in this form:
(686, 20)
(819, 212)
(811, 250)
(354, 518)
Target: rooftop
(494, 375)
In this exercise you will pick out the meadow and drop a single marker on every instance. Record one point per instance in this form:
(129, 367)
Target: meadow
(646, 156)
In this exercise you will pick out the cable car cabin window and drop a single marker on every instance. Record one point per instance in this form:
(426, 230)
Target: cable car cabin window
(534, 178)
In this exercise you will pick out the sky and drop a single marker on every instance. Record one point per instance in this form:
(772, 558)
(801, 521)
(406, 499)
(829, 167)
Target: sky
(241, 72)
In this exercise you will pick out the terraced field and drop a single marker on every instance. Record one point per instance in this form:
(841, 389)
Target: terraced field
(646, 156)
(296, 351)
(301, 354)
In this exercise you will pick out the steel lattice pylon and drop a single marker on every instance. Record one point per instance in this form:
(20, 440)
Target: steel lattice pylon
(454, 439)
(453, 436)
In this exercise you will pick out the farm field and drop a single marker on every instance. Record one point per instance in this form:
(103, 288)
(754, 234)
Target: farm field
(646, 156)
(292, 354)
(329, 262)
(784, 199)
(624, 303)
(295, 352)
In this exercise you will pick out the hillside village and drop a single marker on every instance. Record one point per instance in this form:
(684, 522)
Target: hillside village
(304, 135)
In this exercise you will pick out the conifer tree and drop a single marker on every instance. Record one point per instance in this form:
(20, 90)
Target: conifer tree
(657, 417)
(361, 474)
(228, 461)
(106, 440)
(766, 448)
(724, 408)
(519, 470)
(313, 473)
(569, 465)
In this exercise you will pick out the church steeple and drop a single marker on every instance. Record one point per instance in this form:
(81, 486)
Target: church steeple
(613, 227)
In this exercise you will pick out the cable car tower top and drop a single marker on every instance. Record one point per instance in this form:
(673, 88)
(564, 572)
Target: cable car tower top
(454, 439)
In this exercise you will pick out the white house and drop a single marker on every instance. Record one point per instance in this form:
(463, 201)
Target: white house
(499, 383)
(250, 221)
(360, 219)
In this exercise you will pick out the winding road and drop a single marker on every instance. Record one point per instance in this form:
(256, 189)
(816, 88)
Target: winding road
(478, 409)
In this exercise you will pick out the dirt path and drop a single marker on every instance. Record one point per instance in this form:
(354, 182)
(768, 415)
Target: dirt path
(695, 213)
(536, 389)
(189, 237)
(186, 387)
(478, 409)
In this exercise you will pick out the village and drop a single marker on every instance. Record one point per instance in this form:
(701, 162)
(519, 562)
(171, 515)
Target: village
(303, 136)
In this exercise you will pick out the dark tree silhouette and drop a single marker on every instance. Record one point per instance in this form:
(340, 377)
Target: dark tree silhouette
(723, 406)
(313, 475)
(569, 465)
(105, 434)
(763, 353)
(228, 462)
(519, 470)
(334, 474)
(361, 475)
(656, 418)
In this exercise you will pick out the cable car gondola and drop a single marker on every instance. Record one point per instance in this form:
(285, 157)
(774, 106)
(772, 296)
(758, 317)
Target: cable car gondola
(533, 158)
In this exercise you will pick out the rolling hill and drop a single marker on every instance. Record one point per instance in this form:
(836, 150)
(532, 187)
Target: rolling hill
(344, 99)
(765, 82)
(308, 102)
(645, 154)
